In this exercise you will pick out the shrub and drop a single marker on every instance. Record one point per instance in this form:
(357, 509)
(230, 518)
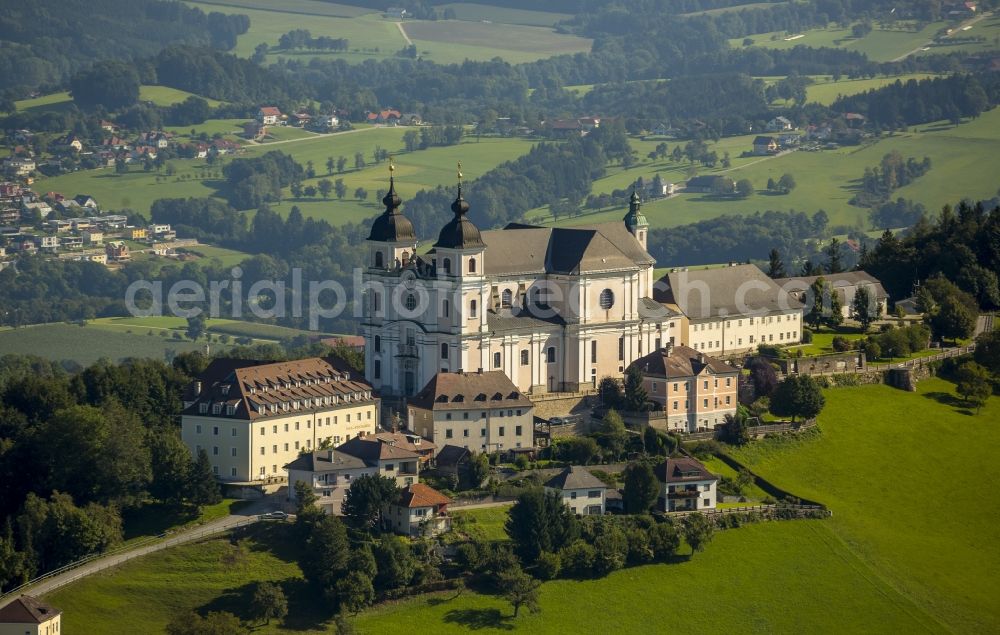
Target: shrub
(807, 336)
(841, 344)
(578, 559)
(872, 350)
(547, 566)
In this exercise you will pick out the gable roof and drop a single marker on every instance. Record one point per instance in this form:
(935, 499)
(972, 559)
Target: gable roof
(837, 281)
(680, 361)
(470, 391)
(372, 450)
(452, 455)
(326, 461)
(764, 141)
(733, 291)
(27, 610)
(269, 111)
(575, 477)
(249, 385)
(411, 442)
(681, 470)
(421, 495)
(522, 249)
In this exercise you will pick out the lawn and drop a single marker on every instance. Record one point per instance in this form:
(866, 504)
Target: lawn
(452, 41)
(908, 477)
(753, 493)
(826, 91)
(228, 257)
(960, 156)
(881, 45)
(822, 343)
(159, 95)
(86, 344)
(218, 326)
(486, 523)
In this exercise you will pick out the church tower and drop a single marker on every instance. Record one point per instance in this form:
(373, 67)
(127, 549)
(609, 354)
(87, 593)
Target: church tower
(392, 242)
(635, 221)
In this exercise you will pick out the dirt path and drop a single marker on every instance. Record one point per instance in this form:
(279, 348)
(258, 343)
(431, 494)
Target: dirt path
(402, 32)
(317, 135)
(956, 31)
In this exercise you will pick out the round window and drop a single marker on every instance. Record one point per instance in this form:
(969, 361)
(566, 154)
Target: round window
(607, 299)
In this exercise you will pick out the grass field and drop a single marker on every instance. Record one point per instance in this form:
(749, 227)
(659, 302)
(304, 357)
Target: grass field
(960, 168)
(906, 475)
(881, 45)
(236, 328)
(825, 91)
(306, 7)
(86, 344)
(159, 95)
(372, 36)
(478, 12)
(228, 257)
(482, 524)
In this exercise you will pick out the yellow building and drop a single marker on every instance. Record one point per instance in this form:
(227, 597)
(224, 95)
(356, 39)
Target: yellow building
(253, 418)
(138, 233)
(28, 616)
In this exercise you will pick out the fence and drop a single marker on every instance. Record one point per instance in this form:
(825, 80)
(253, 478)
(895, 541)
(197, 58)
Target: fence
(921, 361)
(119, 556)
(764, 509)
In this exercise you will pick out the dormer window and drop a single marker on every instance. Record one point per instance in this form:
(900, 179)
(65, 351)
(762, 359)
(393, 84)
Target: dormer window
(230, 410)
(216, 408)
(203, 408)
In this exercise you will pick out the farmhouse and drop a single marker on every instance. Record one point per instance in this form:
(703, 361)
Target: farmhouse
(389, 116)
(779, 124)
(483, 412)
(268, 115)
(686, 485)
(420, 510)
(702, 184)
(845, 285)
(729, 310)
(695, 391)
(763, 146)
(29, 616)
(252, 418)
(580, 490)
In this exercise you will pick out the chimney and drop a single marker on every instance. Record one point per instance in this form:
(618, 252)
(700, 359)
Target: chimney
(197, 387)
(668, 350)
(702, 358)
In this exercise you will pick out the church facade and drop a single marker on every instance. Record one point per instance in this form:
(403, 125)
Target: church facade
(555, 309)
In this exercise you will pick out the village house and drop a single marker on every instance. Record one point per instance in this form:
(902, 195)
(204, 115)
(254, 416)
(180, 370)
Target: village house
(685, 485)
(779, 124)
(410, 119)
(27, 615)
(71, 242)
(108, 126)
(268, 115)
(420, 510)
(117, 251)
(483, 412)
(48, 243)
(160, 231)
(580, 490)
(389, 117)
(301, 119)
(83, 200)
(729, 310)
(763, 146)
(43, 208)
(845, 285)
(693, 390)
(330, 121)
(253, 418)
(20, 166)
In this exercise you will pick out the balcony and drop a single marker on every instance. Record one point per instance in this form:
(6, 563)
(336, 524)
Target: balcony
(685, 493)
(406, 350)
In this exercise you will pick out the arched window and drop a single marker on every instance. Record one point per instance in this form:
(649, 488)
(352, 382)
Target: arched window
(472, 308)
(550, 355)
(444, 350)
(411, 302)
(496, 360)
(524, 357)
(378, 259)
(472, 265)
(607, 299)
(505, 298)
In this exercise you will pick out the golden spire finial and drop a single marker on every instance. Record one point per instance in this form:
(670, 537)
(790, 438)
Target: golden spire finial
(392, 165)
(459, 172)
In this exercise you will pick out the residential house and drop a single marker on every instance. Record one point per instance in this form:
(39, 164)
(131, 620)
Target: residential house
(395, 13)
(59, 225)
(789, 139)
(93, 237)
(854, 119)
(729, 310)
(253, 418)
(70, 142)
(820, 132)
(48, 243)
(664, 129)
(410, 119)
(26, 615)
(71, 242)
(695, 391)
(763, 146)
(43, 208)
(10, 215)
(845, 285)
(580, 490)
(83, 200)
(268, 115)
(565, 127)
(109, 126)
(685, 485)
(410, 442)
(160, 231)
(420, 510)
(330, 121)
(389, 117)
(224, 146)
(20, 166)
(117, 251)
(589, 123)
(455, 460)
(136, 233)
(779, 124)
(301, 119)
(330, 473)
(660, 189)
(484, 412)
(99, 258)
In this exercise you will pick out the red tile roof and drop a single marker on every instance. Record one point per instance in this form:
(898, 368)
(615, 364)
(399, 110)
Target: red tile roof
(420, 495)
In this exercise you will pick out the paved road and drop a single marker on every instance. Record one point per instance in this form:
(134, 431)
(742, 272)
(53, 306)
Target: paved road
(318, 135)
(245, 516)
(957, 31)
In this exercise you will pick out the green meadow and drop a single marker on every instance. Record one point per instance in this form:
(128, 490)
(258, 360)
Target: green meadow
(881, 45)
(159, 95)
(476, 12)
(908, 477)
(961, 158)
(826, 91)
(372, 36)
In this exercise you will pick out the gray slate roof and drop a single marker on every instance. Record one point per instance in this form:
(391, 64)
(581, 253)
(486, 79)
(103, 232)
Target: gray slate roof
(575, 477)
(837, 281)
(680, 361)
(326, 461)
(470, 391)
(758, 294)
